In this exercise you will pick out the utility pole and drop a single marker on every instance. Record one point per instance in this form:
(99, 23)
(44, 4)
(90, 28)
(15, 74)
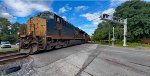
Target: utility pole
(125, 33)
(109, 34)
(113, 39)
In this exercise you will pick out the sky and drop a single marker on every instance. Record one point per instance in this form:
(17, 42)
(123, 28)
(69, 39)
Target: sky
(83, 14)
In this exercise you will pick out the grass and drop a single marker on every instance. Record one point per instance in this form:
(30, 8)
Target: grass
(120, 44)
(132, 44)
(8, 50)
(100, 42)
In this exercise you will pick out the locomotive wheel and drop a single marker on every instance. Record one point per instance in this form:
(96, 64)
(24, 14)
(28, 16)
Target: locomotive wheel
(68, 44)
(31, 52)
(58, 46)
(49, 47)
(33, 49)
(65, 44)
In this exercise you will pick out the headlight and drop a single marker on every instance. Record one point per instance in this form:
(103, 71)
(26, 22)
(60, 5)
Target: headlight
(18, 33)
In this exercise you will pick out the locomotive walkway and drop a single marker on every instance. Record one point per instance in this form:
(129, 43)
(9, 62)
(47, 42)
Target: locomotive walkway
(92, 60)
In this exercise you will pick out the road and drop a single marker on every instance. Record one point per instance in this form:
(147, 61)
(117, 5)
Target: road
(92, 60)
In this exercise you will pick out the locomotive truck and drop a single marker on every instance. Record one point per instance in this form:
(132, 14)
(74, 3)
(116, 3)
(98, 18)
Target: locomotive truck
(47, 31)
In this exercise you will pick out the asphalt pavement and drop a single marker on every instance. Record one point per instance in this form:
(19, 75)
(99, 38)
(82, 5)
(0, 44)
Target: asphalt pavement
(92, 60)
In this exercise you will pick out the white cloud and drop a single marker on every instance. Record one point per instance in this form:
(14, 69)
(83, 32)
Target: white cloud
(115, 3)
(109, 11)
(78, 8)
(22, 8)
(64, 9)
(64, 17)
(94, 17)
(8, 16)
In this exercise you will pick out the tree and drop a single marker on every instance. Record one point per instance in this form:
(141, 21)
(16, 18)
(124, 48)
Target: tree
(15, 27)
(8, 31)
(4, 23)
(102, 32)
(138, 15)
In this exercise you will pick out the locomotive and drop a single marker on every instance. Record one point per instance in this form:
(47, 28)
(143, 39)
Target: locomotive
(47, 31)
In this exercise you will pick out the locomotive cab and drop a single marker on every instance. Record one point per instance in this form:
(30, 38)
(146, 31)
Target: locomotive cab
(34, 33)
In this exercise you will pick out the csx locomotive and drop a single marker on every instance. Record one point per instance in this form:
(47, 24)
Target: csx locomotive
(48, 30)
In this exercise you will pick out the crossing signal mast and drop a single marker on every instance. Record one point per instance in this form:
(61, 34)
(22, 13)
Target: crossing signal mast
(117, 20)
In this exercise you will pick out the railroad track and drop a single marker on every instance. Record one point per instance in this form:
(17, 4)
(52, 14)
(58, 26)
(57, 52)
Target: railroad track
(12, 56)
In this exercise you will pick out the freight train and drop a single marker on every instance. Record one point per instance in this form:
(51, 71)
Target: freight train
(47, 31)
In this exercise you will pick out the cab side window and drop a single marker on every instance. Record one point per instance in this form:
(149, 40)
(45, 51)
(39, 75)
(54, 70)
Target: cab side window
(58, 19)
(51, 16)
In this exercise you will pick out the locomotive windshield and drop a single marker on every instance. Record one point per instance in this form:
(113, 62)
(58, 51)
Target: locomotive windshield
(46, 15)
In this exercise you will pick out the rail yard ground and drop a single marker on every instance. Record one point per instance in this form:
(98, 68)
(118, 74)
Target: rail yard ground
(89, 60)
